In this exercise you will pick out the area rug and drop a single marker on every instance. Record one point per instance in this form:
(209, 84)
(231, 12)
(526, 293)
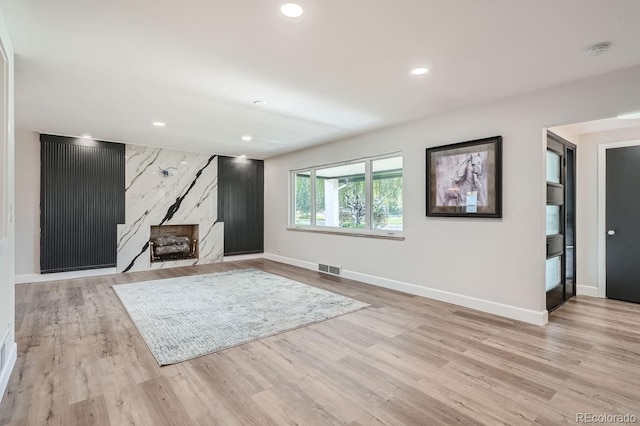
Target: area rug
(187, 317)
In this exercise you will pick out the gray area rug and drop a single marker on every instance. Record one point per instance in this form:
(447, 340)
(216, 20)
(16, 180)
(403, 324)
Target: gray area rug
(187, 317)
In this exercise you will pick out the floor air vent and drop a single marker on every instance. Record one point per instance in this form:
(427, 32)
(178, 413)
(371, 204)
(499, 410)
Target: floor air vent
(328, 269)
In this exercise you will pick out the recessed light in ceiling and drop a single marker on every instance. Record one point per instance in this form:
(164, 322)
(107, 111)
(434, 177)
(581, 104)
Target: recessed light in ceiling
(419, 71)
(629, 116)
(184, 162)
(260, 103)
(86, 136)
(159, 124)
(597, 49)
(246, 138)
(291, 10)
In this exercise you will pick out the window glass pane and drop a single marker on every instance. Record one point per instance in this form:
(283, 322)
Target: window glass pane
(570, 256)
(553, 167)
(553, 220)
(553, 272)
(303, 198)
(340, 196)
(387, 193)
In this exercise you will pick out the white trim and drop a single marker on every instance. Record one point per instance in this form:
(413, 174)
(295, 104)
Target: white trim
(35, 278)
(587, 290)
(350, 232)
(291, 261)
(236, 257)
(525, 315)
(390, 154)
(5, 374)
(602, 208)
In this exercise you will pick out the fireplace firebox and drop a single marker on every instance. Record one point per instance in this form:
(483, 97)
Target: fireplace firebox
(173, 242)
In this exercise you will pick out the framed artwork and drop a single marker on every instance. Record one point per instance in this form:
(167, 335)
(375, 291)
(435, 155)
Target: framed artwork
(465, 179)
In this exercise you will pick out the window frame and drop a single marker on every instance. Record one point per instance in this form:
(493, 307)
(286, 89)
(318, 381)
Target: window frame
(368, 231)
(6, 210)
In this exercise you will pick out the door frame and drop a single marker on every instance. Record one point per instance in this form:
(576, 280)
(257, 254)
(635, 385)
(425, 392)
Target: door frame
(6, 214)
(561, 146)
(602, 208)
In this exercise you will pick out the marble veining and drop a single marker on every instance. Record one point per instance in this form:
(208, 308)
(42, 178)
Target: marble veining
(168, 187)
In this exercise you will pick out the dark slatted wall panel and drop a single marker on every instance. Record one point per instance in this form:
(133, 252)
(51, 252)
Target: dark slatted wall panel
(241, 204)
(81, 202)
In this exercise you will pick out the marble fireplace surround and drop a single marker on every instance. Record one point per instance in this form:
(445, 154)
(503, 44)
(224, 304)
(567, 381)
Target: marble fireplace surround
(168, 187)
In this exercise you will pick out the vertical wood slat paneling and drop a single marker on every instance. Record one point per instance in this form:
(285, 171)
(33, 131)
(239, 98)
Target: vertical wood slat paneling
(81, 202)
(241, 204)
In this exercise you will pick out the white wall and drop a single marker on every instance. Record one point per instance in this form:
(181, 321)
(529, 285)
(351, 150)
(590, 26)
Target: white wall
(587, 204)
(494, 265)
(27, 202)
(7, 245)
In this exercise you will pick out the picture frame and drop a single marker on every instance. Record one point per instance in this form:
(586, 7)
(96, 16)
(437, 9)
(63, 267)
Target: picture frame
(465, 179)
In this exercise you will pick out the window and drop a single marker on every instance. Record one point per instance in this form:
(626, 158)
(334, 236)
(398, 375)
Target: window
(360, 196)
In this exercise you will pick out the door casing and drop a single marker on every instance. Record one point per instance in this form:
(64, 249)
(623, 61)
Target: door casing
(602, 205)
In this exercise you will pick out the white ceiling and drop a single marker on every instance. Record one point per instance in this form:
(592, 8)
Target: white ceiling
(110, 68)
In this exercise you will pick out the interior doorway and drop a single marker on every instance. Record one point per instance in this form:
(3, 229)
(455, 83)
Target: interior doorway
(561, 221)
(594, 140)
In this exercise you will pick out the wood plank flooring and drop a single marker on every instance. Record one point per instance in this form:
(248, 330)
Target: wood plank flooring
(404, 361)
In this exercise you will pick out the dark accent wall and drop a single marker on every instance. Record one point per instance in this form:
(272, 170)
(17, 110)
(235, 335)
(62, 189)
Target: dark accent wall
(241, 204)
(81, 202)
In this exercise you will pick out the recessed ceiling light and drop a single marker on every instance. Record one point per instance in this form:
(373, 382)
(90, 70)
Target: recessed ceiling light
(260, 103)
(246, 138)
(597, 49)
(291, 10)
(629, 116)
(419, 71)
(86, 136)
(184, 162)
(159, 124)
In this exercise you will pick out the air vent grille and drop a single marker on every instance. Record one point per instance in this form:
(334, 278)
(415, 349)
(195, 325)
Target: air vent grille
(329, 269)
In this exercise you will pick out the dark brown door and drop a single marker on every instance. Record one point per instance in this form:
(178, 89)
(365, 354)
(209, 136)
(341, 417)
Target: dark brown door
(623, 229)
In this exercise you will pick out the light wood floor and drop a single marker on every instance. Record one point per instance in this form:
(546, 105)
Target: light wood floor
(404, 361)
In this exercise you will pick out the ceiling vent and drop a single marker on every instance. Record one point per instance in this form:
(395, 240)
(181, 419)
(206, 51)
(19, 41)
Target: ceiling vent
(597, 49)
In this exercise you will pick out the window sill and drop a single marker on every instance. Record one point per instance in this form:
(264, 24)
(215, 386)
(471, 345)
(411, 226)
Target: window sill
(350, 233)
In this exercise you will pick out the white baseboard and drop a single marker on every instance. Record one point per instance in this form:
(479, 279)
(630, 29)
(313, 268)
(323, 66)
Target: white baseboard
(587, 290)
(291, 261)
(236, 257)
(5, 374)
(508, 311)
(35, 278)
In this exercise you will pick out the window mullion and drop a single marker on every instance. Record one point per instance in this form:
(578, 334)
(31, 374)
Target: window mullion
(292, 196)
(312, 191)
(368, 198)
